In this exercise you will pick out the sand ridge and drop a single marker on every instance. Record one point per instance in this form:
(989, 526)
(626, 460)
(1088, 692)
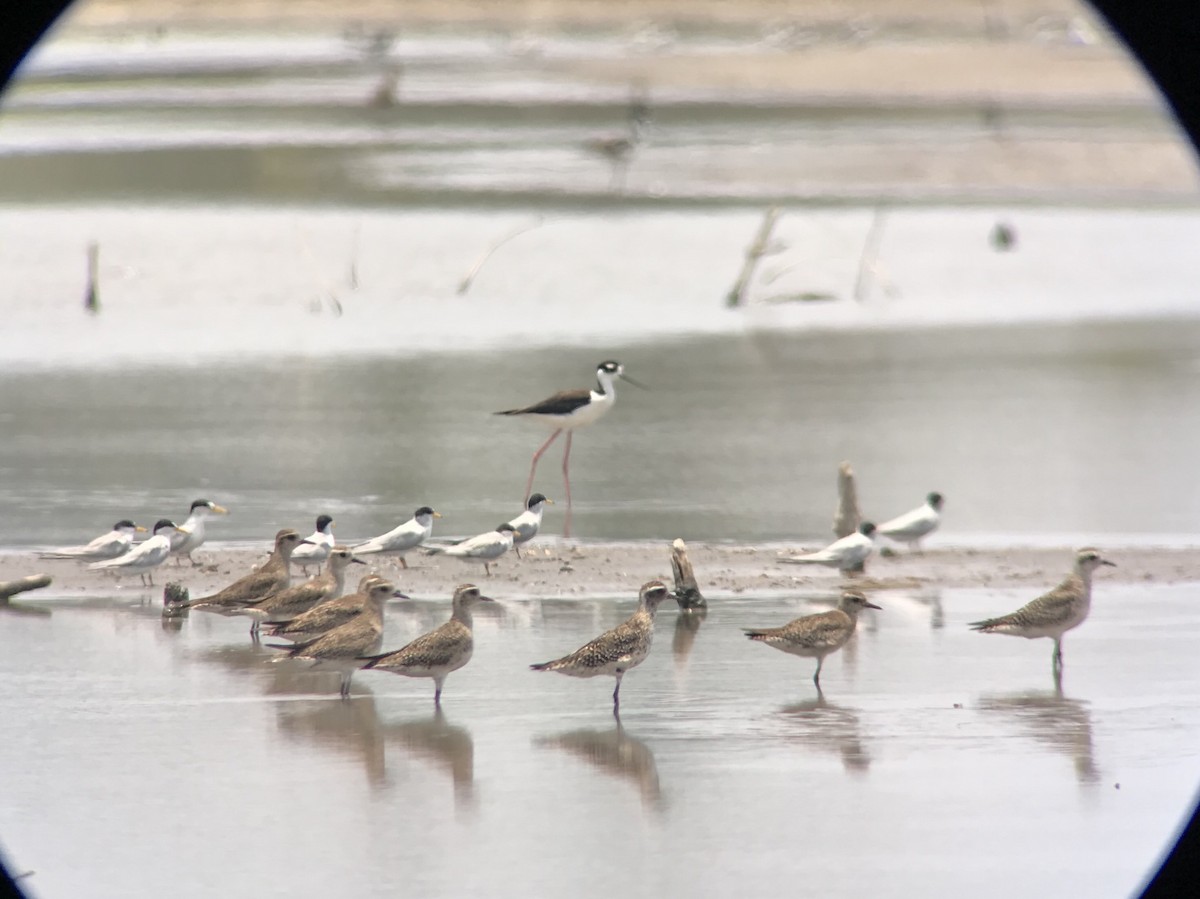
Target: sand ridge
(561, 569)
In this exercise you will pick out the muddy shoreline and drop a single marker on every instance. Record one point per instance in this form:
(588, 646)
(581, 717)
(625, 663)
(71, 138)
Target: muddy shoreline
(559, 568)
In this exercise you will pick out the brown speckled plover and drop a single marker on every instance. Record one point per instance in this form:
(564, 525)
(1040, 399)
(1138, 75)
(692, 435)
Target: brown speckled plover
(816, 636)
(616, 651)
(442, 650)
(1052, 614)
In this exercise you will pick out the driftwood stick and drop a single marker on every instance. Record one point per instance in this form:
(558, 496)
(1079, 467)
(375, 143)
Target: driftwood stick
(687, 592)
(866, 262)
(353, 278)
(757, 249)
(91, 299)
(9, 589)
(846, 518)
(465, 284)
(33, 582)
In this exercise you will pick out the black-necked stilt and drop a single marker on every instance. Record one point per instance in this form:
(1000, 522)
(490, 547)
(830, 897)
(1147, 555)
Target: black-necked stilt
(618, 149)
(568, 410)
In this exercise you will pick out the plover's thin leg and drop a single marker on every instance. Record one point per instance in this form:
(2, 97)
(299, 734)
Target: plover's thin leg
(517, 550)
(566, 482)
(346, 684)
(487, 569)
(437, 692)
(403, 563)
(536, 456)
(617, 696)
(1058, 657)
(817, 675)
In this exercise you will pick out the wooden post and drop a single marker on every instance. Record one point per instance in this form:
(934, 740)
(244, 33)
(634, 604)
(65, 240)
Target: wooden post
(846, 518)
(754, 252)
(687, 592)
(91, 300)
(175, 610)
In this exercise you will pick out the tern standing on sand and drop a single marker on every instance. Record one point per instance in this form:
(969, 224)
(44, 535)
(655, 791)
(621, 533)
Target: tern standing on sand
(912, 526)
(317, 546)
(847, 555)
(526, 525)
(486, 547)
(115, 543)
(191, 534)
(400, 540)
(146, 556)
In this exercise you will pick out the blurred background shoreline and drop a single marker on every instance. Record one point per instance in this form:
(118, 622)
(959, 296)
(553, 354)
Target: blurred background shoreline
(867, 101)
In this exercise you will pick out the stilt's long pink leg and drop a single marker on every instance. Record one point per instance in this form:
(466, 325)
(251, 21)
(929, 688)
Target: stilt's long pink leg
(567, 481)
(533, 468)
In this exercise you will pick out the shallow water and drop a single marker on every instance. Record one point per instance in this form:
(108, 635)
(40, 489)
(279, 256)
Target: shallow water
(185, 761)
(1034, 434)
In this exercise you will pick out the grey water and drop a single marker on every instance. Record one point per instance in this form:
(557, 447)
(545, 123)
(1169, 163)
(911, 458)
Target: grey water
(1033, 433)
(144, 757)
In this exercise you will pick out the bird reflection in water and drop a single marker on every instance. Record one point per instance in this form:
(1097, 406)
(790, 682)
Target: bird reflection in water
(1061, 724)
(448, 745)
(350, 728)
(613, 751)
(687, 626)
(281, 676)
(828, 727)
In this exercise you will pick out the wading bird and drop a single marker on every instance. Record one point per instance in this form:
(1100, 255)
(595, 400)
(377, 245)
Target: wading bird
(568, 410)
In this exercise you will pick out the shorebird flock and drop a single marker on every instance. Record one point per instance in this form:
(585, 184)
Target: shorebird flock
(343, 632)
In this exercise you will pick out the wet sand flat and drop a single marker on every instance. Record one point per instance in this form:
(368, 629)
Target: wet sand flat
(553, 568)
